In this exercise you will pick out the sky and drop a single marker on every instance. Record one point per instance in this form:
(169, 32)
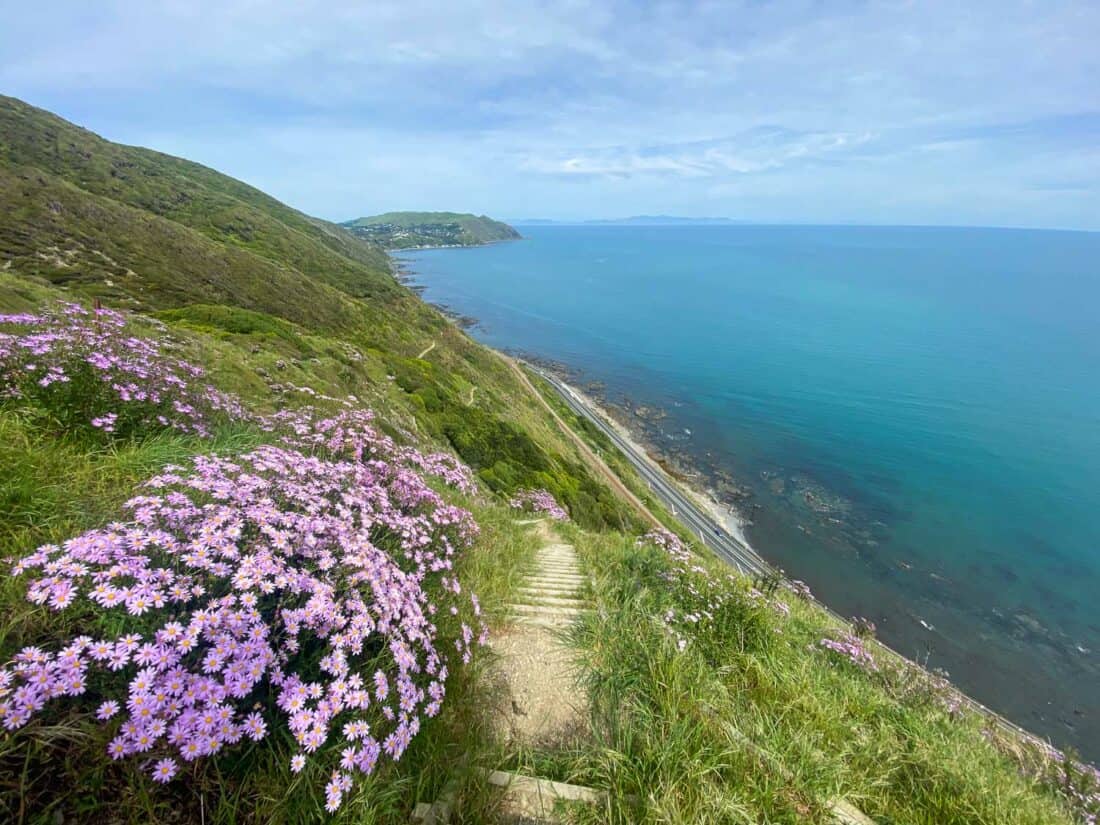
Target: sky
(952, 113)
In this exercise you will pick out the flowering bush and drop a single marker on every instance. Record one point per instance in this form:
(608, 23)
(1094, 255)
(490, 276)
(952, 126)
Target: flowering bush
(852, 648)
(1077, 783)
(704, 600)
(800, 589)
(906, 682)
(87, 371)
(863, 627)
(921, 687)
(352, 433)
(301, 584)
(538, 501)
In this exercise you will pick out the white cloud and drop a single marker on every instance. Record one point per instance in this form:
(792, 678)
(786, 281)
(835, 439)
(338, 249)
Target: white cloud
(759, 150)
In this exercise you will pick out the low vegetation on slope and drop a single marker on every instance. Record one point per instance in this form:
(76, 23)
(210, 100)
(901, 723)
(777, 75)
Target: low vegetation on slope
(716, 699)
(43, 149)
(202, 471)
(404, 230)
(146, 231)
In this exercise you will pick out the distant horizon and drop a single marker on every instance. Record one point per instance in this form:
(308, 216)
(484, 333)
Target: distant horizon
(687, 220)
(657, 219)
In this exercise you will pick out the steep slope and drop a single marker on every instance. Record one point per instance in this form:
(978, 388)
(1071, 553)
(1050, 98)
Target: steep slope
(402, 230)
(71, 237)
(146, 231)
(215, 205)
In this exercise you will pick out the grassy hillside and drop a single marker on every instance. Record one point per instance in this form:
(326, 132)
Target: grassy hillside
(146, 231)
(218, 206)
(708, 703)
(402, 230)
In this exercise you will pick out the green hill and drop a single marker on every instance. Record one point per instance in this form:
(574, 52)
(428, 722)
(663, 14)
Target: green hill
(89, 214)
(711, 698)
(403, 230)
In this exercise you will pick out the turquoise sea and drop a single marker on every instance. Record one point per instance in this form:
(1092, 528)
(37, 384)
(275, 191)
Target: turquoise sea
(916, 412)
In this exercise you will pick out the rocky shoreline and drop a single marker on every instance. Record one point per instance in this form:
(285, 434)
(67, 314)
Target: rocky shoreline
(406, 277)
(812, 508)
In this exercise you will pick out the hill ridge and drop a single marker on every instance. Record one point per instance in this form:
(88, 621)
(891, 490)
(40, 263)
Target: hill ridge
(405, 230)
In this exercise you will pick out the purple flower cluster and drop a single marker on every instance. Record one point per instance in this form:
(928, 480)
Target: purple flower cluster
(852, 648)
(915, 685)
(701, 595)
(316, 572)
(352, 433)
(1077, 783)
(86, 369)
(800, 589)
(538, 501)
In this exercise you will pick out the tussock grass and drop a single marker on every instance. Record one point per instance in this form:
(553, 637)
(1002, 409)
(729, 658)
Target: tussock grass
(752, 722)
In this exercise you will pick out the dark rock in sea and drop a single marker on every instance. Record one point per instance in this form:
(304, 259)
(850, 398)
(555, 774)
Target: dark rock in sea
(1028, 629)
(650, 413)
(457, 318)
(775, 482)
(733, 491)
(818, 498)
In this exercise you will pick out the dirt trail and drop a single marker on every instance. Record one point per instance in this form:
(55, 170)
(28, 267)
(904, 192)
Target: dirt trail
(542, 705)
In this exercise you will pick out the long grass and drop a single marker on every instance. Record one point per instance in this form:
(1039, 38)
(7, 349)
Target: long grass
(750, 722)
(753, 722)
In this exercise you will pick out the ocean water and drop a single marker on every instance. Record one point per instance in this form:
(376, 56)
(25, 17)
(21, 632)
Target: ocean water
(915, 410)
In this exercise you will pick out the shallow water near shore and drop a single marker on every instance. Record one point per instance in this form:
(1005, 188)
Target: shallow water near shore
(916, 412)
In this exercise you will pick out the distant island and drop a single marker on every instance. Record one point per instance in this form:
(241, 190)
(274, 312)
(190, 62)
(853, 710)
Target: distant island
(634, 220)
(406, 230)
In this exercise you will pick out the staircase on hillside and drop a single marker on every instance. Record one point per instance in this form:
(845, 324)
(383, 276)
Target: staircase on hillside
(544, 707)
(549, 598)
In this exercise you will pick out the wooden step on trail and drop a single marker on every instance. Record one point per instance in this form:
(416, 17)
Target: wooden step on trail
(561, 588)
(545, 610)
(552, 599)
(543, 704)
(574, 582)
(525, 799)
(539, 704)
(529, 799)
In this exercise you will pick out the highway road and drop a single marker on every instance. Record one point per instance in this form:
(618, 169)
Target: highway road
(683, 506)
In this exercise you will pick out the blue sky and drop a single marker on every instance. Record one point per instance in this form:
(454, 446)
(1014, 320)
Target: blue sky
(898, 112)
